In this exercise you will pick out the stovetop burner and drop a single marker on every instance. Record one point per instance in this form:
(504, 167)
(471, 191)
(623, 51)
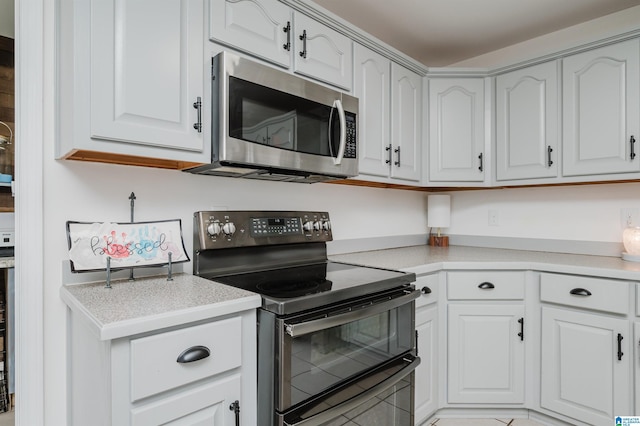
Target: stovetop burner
(285, 283)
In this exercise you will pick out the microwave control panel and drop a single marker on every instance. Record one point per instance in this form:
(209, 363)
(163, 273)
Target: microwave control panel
(350, 148)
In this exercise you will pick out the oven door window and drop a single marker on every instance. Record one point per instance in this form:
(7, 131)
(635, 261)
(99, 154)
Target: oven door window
(265, 116)
(320, 360)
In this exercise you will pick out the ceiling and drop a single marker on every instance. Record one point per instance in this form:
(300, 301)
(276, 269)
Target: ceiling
(443, 32)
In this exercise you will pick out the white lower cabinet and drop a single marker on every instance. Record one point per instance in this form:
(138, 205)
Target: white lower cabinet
(426, 378)
(194, 374)
(486, 331)
(205, 405)
(586, 370)
(585, 349)
(636, 363)
(486, 354)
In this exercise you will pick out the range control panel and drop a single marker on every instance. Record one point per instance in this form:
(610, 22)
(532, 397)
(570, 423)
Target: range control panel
(226, 229)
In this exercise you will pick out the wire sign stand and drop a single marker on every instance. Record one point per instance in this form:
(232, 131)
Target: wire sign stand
(111, 246)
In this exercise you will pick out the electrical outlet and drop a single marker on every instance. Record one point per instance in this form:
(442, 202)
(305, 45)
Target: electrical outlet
(493, 218)
(629, 217)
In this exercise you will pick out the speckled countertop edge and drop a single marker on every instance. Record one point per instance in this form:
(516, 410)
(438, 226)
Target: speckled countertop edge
(427, 259)
(148, 304)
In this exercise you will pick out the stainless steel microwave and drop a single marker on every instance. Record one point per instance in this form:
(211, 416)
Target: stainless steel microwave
(269, 124)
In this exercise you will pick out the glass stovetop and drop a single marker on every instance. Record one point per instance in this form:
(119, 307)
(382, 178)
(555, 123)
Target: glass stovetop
(295, 289)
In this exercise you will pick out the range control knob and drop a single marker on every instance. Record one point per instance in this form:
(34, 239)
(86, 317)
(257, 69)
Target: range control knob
(229, 228)
(317, 225)
(326, 225)
(214, 228)
(308, 226)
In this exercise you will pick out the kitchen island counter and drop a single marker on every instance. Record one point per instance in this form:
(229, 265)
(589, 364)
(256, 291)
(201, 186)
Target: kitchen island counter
(427, 259)
(148, 304)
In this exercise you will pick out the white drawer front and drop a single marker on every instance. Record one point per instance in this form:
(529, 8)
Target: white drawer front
(590, 293)
(429, 286)
(485, 285)
(154, 365)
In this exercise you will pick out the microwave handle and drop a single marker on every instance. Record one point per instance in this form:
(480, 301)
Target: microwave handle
(343, 132)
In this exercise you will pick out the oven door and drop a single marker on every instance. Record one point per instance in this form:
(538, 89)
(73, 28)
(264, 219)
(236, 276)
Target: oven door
(328, 352)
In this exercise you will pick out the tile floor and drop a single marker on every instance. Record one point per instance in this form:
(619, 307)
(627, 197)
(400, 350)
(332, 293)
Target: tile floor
(484, 422)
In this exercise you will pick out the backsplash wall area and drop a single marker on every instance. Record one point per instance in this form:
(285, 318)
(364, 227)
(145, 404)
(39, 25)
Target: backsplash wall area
(580, 213)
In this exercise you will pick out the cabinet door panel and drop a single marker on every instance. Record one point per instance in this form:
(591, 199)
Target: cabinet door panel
(426, 395)
(581, 375)
(328, 56)
(372, 88)
(486, 355)
(601, 97)
(406, 122)
(146, 73)
(255, 26)
(527, 123)
(205, 405)
(456, 129)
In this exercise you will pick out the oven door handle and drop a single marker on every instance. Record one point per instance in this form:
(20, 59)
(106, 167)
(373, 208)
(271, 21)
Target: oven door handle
(295, 330)
(348, 405)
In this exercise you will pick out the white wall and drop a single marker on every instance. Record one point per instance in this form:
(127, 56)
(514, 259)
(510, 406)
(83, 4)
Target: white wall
(577, 213)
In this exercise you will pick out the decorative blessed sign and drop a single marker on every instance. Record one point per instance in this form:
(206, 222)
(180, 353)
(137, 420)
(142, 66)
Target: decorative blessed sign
(127, 244)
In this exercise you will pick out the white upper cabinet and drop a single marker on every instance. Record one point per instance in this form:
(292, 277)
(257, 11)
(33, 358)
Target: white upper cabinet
(146, 73)
(372, 87)
(129, 85)
(322, 53)
(527, 131)
(271, 30)
(456, 130)
(390, 121)
(601, 112)
(263, 27)
(406, 123)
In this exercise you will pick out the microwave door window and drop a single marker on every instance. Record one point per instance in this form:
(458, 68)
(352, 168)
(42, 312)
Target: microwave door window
(265, 116)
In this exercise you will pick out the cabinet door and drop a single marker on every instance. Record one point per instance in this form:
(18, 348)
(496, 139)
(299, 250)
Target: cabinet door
(636, 365)
(601, 98)
(322, 53)
(262, 28)
(582, 377)
(426, 390)
(206, 405)
(372, 88)
(486, 354)
(456, 130)
(527, 103)
(406, 123)
(146, 72)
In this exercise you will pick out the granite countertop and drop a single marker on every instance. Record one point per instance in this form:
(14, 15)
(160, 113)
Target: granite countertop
(7, 262)
(426, 259)
(148, 304)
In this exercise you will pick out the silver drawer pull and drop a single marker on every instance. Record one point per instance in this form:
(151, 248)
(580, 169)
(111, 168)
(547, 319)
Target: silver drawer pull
(580, 292)
(192, 354)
